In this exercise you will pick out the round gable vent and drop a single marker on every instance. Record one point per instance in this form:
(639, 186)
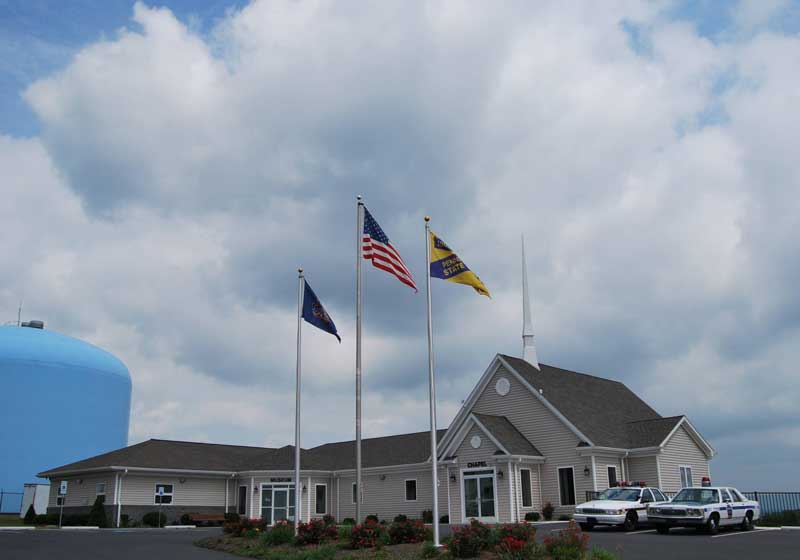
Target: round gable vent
(503, 386)
(475, 442)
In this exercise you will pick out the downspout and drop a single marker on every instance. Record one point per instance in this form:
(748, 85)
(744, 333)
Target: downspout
(539, 476)
(594, 474)
(447, 478)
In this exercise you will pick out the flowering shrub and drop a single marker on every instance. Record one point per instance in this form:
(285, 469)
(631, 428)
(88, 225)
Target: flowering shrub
(519, 531)
(367, 535)
(245, 527)
(569, 544)
(315, 532)
(514, 549)
(280, 533)
(468, 540)
(547, 511)
(407, 532)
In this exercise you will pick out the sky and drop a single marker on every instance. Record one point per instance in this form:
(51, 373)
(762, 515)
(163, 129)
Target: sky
(167, 167)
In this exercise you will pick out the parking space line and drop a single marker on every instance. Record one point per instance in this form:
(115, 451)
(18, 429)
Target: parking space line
(753, 532)
(640, 532)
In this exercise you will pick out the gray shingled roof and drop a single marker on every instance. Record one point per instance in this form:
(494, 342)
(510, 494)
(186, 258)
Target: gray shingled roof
(606, 411)
(165, 454)
(507, 434)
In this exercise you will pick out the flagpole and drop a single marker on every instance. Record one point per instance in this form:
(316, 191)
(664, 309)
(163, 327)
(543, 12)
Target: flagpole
(432, 386)
(359, 249)
(297, 485)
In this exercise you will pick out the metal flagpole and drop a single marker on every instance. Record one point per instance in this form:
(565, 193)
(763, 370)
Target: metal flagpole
(434, 460)
(359, 250)
(297, 486)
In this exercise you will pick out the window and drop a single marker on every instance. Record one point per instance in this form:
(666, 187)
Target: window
(647, 497)
(355, 494)
(566, 485)
(725, 496)
(60, 501)
(100, 489)
(737, 495)
(612, 476)
(411, 490)
(242, 500)
(321, 502)
(525, 478)
(686, 476)
(163, 494)
(659, 496)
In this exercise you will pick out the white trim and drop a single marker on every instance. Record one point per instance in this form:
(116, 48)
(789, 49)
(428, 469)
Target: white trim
(251, 493)
(497, 444)
(96, 493)
(539, 477)
(708, 451)
(226, 495)
(447, 479)
(405, 490)
(658, 471)
(308, 499)
(170, 494)
(338, 499)
(317, 484)
(511, 496)
(522, 487)
(691, 475)
(493, 519)
(574, 485)
(594, 475)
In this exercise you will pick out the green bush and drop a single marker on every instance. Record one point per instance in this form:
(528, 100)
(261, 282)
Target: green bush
(30, 516)
(519, 531)
(406, 532)
(41, 519)
(547, 511)
(367, 535)
(75, 520)
(569, 544)
(564, 517)
(427, 516)
(186, 519)
(328, 520)
(154, 519)
(467, 541)
(783, 518)
(602, 554)
(124, 520)
(400, 518)
(373, 518)
(532, 516)
(348, 521)
(97, 515)
(345, 531)
(430, 551)
(280, 533)
(52, 519)
(232, 516)
(314, 532)
(444, 519)
(516, 549)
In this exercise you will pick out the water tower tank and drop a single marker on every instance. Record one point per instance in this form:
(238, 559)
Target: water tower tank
(61, 400)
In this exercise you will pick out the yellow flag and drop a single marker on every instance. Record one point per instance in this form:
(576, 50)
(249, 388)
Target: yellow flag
(445, 264)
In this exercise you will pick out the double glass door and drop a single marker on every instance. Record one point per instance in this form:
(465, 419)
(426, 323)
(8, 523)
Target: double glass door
(479, 494)
(277, 503)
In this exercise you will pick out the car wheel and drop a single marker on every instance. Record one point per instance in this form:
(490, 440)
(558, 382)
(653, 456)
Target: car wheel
(631, 521)
(662, 530)
(747, 522)
(586, 526)
(712, 525)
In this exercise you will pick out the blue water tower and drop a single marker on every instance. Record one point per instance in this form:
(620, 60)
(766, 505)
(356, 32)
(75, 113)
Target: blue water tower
(61, 400)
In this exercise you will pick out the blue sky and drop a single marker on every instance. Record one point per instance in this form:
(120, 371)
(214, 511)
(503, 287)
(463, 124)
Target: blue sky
(186, 157)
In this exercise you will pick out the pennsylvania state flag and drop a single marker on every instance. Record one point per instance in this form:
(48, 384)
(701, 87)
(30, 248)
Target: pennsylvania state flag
(445, 264)
(314, 313)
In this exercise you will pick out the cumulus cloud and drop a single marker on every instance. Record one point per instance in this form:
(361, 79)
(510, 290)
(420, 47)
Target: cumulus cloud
(180, 178)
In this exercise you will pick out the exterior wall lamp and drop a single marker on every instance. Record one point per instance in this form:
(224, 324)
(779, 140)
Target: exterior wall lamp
(586, 471)
(452, 478)
(500, 475)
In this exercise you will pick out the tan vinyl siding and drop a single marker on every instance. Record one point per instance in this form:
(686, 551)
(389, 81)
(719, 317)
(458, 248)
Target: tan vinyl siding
(681, 449)
(642, 469)
(542, 428)
(140, 490)
(82, 493)
(536, 499)
(603, 462)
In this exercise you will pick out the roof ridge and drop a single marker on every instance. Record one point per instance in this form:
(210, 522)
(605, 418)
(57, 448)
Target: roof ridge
(655, 419)
(209, 443)
(378, 437)
(568, 370)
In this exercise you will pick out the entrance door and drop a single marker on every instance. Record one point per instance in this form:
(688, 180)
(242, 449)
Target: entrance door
(280, 504)
(479, 494)
(277, 503)
(242, 509)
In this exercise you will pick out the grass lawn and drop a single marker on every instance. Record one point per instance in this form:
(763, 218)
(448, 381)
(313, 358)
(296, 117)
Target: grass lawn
(10, 520)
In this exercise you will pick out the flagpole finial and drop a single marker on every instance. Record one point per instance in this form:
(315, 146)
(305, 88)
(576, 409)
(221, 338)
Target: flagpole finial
(359, 198)
(427, 218)
(300, 271)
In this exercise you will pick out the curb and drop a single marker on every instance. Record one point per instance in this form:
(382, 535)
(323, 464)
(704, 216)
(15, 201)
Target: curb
(790, 528)
(23, 528)
(79, 528)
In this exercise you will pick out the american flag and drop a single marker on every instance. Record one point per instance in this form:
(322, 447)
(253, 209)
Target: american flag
(377, 248)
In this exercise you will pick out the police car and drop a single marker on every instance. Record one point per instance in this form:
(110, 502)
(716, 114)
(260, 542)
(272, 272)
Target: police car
(705, 507)
(625, 506)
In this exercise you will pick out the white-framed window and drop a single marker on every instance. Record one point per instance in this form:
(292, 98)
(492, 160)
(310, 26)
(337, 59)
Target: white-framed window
(100, 489)
(686, 476)
(355, 493)
(411, 490)
(320, 499)
(163, 494)
(60, 501)
(525, 483)
(612, 476)
(566, 485)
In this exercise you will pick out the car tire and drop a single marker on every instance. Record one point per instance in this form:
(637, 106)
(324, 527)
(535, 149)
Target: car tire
(747, 522)
(586, 526)
(662, 530)
(631, 521)
(712, 525)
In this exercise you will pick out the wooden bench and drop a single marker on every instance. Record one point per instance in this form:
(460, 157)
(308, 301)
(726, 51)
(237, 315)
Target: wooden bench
(206, 518)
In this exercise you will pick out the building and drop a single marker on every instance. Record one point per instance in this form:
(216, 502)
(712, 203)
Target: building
(526, 436)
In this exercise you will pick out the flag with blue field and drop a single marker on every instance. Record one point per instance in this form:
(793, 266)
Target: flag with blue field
(314, 312)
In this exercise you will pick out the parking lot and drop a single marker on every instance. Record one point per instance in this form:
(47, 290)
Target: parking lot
(153, 544)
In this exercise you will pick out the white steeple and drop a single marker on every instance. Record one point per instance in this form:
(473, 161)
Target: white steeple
(528, 348)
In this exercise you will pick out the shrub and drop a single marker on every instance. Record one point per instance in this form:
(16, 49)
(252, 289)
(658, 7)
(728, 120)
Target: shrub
(517, 549)
(314, 532)
(547, 511)
(569, 544)
(186, 519)
(602, 554)
(345, 531)
(427, 516)
(519, 531)
(348, 521)
(151, 519)
(30, 516)
(280, 533)
(564, 517)
(371, 518)
(328, 520)
(532, 516)
(52, 519)
(430, 551)
(232, 516)
(407, 532)
(366, 535)
(467, 541)
(97, 515)
(400, 518)
(783, 518)
(124, 520)
(41, 519)
(75, 520)
(444, 519)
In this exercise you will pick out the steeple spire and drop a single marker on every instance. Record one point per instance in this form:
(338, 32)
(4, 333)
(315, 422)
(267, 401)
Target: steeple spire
(528, 348)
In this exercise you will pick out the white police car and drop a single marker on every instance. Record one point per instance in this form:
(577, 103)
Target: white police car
(706, 507)
(624, 505)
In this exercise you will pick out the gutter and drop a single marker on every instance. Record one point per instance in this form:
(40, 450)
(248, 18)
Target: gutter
(52, 474)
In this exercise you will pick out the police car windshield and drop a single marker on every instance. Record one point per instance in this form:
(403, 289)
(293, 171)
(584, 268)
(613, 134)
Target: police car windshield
(697, 496)
(620, 495)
